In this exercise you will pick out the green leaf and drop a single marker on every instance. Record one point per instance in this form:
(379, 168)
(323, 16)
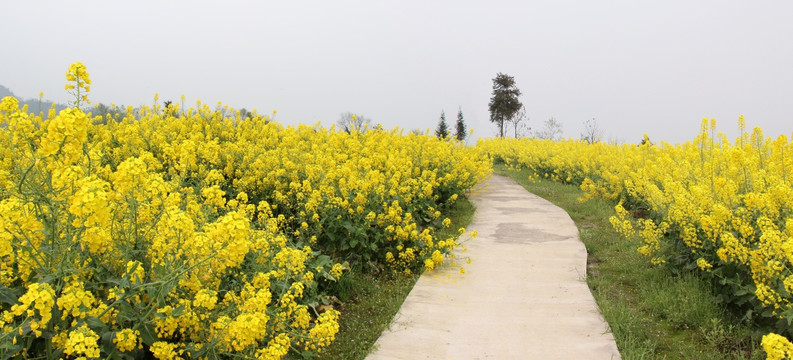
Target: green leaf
(748, 315)
(95, 324)
(125, 309)
(8, 296)
(198, 353)
(107, 344)
(9, 350)
(741, 291)
(147, 334)
(56, 354)
(767, 313)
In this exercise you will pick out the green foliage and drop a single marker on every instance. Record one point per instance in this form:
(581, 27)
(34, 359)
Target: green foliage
(679, 301)
(504, 103)
(201, 233)
(653, 313)
(442, 131)
(460, 128)
(369, 302)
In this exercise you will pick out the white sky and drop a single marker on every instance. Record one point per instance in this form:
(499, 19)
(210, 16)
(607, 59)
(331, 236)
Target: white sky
(635, 66)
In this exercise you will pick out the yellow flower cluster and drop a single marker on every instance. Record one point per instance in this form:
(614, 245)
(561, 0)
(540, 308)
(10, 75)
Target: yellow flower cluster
(79, 83)
(165, 351)
(777, 347)
(724, 207)
(127, 340)
(324, 332)
(82, 343)
(74, 302)
(190, 233)
(35, 307)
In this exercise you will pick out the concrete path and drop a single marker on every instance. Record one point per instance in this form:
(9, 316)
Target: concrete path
(524, 296)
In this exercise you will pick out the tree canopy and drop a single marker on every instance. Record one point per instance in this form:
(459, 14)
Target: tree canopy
(349, 121)
(519, 122)
(460, 128)
(442, 131)
(592, 132)
(551, 130)
(504, 103)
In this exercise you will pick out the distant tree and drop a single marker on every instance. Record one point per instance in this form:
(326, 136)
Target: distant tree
(460, 128)
(102, 111)
(169, 109)
(113, 112)
(551, 130)
(504, 103)
(646, 140)
(591, 132)
(518, 122)
(442, 131)
(349, 121)
(246, 114)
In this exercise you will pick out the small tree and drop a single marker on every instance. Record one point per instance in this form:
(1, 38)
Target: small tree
(551, 130)
(349, 121)
(460, 128)
(101, 110)
(646, 140)
(591, 132)
(504, 103)
(442, 131)
(518, 122)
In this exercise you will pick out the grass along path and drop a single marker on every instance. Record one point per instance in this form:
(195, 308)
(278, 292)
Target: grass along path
(370, 301)
(523, 296)
(653, 314)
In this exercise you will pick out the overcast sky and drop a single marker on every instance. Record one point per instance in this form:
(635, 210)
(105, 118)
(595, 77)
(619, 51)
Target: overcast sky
(635, 66)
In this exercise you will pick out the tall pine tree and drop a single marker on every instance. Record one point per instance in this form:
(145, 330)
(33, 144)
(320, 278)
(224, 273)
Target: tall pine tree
(460, 134)
(443, 130)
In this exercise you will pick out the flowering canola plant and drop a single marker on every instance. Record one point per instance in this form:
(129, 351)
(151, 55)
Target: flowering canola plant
(199, 233)
(721, 208)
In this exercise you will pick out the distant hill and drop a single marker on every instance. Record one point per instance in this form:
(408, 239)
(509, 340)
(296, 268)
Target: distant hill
(4, 91)
(34, 105)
